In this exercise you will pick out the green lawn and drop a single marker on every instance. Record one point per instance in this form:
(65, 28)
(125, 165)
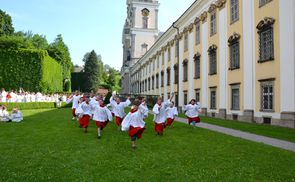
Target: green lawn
(282, 133)
(48, 146)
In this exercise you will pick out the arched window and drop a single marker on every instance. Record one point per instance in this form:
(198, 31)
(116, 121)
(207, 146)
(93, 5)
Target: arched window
(145, 13)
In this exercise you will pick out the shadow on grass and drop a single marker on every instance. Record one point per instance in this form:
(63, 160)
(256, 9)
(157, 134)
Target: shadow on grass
(49, 146)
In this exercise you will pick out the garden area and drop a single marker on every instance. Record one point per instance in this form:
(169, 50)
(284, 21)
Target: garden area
(49, 146)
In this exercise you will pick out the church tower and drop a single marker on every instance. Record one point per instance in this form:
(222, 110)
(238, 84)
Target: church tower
(139, 34)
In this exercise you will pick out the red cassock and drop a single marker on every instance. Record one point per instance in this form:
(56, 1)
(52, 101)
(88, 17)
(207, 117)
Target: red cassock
(101, 125)
(169, 121)
(74, 112)
(119, 121)
(136, 131)
(196, 119)
(159, 128)
(84, 121)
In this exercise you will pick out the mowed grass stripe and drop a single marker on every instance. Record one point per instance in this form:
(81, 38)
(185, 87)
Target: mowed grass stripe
(48, 146)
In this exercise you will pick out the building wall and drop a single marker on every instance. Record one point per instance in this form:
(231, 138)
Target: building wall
(248, 77)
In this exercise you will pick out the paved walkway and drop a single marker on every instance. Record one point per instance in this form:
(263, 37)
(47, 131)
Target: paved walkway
(245, 135)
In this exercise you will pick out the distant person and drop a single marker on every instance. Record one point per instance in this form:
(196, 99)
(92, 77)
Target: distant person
(3, 95)
(75, 101)
(159, 111)
(16, 115)
(134, 123)
(192, 112)
(101, 116)
(4, 115)
(171, 112)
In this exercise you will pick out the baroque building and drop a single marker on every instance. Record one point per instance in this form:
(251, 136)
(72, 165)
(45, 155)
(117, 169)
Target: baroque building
(139, 34)
(236, 57)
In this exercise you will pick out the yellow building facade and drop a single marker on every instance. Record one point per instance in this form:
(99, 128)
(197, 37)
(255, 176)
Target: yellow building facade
(236, 57)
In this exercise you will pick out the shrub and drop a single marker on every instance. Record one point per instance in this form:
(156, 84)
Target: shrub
(30, 69)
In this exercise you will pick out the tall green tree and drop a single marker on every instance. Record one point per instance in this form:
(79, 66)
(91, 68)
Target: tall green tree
(6, 27)
(91, 74)
(60, 52)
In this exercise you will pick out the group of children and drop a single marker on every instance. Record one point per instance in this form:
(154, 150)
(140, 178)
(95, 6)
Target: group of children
(15, 116)
(85, 107)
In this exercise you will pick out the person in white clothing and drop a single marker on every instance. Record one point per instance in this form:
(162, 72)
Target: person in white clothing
(101, 116)
(119, 109)
(86, 114)
(134, 123)
(16, 115)
(75, 102)
(159, 111)
(143, 108)
(3, 95)
(192, 112)
(171, 112)
(4, 115)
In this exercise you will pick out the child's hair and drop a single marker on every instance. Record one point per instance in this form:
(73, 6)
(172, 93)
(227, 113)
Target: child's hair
(136, 102)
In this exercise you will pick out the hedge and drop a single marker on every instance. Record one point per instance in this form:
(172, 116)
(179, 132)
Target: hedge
(33, 105)
(33, 70)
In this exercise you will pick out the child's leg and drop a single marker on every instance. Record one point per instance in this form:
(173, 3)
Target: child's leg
(133, 139)
(194, 123)
(98, 132)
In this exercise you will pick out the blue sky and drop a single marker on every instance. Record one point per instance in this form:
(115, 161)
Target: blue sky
(84, 24)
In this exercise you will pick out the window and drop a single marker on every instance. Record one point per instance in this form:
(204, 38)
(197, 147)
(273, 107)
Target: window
(185, 70)
(197, 60)
(145, 22)
(185, 97)
(157, 80)
(235, 97)
(176, 48)
(235, 56)
(198, 34)
(145, 85)
(198, 95)
(234, 49)
(263, 2)
(176, 99)
(153, 83)
(144, 48)
(169, 54)
(168, 76)
(266, 42)
(162, 78)
(149, 84)
(213, 98)
(185, 41)
(212, 60)
(213, 23)
(145, 13)
(163, 58)
(158, 62)
(176, 74)
(234, 10)
(267, 96)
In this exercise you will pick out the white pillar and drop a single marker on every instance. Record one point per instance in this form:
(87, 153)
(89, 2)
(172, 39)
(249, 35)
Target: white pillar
(249, 45)
(223, 59)
(204, 65)
(180, 76)
(287, 54)
(190, 73)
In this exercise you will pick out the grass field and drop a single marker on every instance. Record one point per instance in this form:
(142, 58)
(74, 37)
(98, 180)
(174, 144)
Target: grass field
(48, 146)
(282, 133)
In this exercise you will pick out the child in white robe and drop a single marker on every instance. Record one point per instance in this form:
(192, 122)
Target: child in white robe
(4, 115)
(119, 109)
(134, 123)
(101, 116)
(192, 112)
(159, 111)
(16, 115)
(171, 112)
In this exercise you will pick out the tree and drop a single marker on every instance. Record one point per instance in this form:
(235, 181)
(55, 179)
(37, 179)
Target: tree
(91, 72)
(6, 27)
(60, 52)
